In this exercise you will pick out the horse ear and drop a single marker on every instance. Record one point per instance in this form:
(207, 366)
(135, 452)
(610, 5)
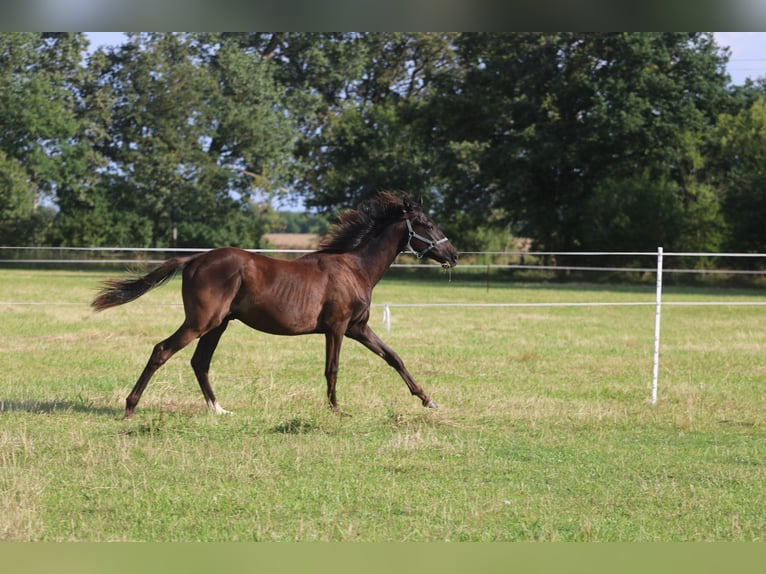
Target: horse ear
(407, 205)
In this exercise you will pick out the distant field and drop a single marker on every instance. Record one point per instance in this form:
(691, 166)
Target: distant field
(545, 430)
(293, 240)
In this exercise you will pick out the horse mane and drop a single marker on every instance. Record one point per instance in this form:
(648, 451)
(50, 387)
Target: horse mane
(355, 227)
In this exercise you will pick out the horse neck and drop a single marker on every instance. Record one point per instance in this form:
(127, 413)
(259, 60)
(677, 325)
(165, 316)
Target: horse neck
(378, 255)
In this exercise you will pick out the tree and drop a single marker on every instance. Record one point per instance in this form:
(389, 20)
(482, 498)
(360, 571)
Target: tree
(534, 124)
(358, 99)
(643, 212)
(578, 141)
(742, 156)
(17, 201)
(196, 134)
(42, 151)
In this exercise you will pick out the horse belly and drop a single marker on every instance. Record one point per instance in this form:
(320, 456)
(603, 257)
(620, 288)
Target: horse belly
(275, 323)
(281, 310)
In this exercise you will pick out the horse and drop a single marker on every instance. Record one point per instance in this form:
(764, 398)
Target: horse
(326, 291)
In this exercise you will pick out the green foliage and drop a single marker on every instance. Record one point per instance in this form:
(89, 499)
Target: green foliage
(643, 213)
(369, 149)
(190, 171)
(549, 119)
(300, 222)
(17, 199)
(366, 131)
(41, 153)
(486, 238)
(742, 140)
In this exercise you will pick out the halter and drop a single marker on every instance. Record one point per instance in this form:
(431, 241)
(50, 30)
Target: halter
(430, 243)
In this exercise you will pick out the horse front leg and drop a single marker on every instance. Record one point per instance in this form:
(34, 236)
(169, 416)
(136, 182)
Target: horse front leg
(369, 339)
(332, 357)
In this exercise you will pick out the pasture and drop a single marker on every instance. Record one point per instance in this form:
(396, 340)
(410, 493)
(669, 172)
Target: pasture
(544, 432)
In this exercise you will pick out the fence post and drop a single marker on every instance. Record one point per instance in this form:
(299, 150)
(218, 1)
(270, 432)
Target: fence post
(387, 317)
(657, 315)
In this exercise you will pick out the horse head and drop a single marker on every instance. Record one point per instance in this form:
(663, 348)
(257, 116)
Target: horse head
(425, 239)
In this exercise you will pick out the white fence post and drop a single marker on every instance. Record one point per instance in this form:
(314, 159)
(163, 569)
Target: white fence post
(658, 313)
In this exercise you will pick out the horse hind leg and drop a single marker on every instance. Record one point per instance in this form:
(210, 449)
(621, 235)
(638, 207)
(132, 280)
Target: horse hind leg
(200, 362)
(160, 355)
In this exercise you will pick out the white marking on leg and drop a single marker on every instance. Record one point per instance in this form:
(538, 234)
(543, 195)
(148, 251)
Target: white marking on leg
(219, 410)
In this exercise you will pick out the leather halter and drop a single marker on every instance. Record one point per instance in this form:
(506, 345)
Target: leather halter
(430, 243)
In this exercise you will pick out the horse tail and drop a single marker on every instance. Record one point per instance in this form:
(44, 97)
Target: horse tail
(120, 291)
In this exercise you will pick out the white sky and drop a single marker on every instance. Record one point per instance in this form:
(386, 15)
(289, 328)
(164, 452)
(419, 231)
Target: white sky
(98, 39)
(748, 54)
(748, 51)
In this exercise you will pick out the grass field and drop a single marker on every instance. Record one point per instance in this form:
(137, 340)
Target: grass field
(545, 430)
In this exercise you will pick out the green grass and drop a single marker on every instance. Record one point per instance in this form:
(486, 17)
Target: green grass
(545, 430)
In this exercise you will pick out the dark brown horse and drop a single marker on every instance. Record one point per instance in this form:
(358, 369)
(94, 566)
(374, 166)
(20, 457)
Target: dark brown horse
(328, 291)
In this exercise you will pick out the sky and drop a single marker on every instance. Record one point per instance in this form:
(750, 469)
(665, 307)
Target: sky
(748, 54)
(748, 51)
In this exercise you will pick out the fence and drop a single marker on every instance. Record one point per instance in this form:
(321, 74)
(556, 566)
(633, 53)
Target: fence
(116, 256)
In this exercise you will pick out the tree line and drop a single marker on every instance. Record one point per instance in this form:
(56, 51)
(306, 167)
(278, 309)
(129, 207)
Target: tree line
(598, 141)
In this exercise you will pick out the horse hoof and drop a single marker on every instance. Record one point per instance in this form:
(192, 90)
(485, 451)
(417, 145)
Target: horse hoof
(431, 405)
(218, 409)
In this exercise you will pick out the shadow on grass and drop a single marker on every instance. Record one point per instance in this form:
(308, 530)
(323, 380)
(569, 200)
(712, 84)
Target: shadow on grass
(51, 407)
